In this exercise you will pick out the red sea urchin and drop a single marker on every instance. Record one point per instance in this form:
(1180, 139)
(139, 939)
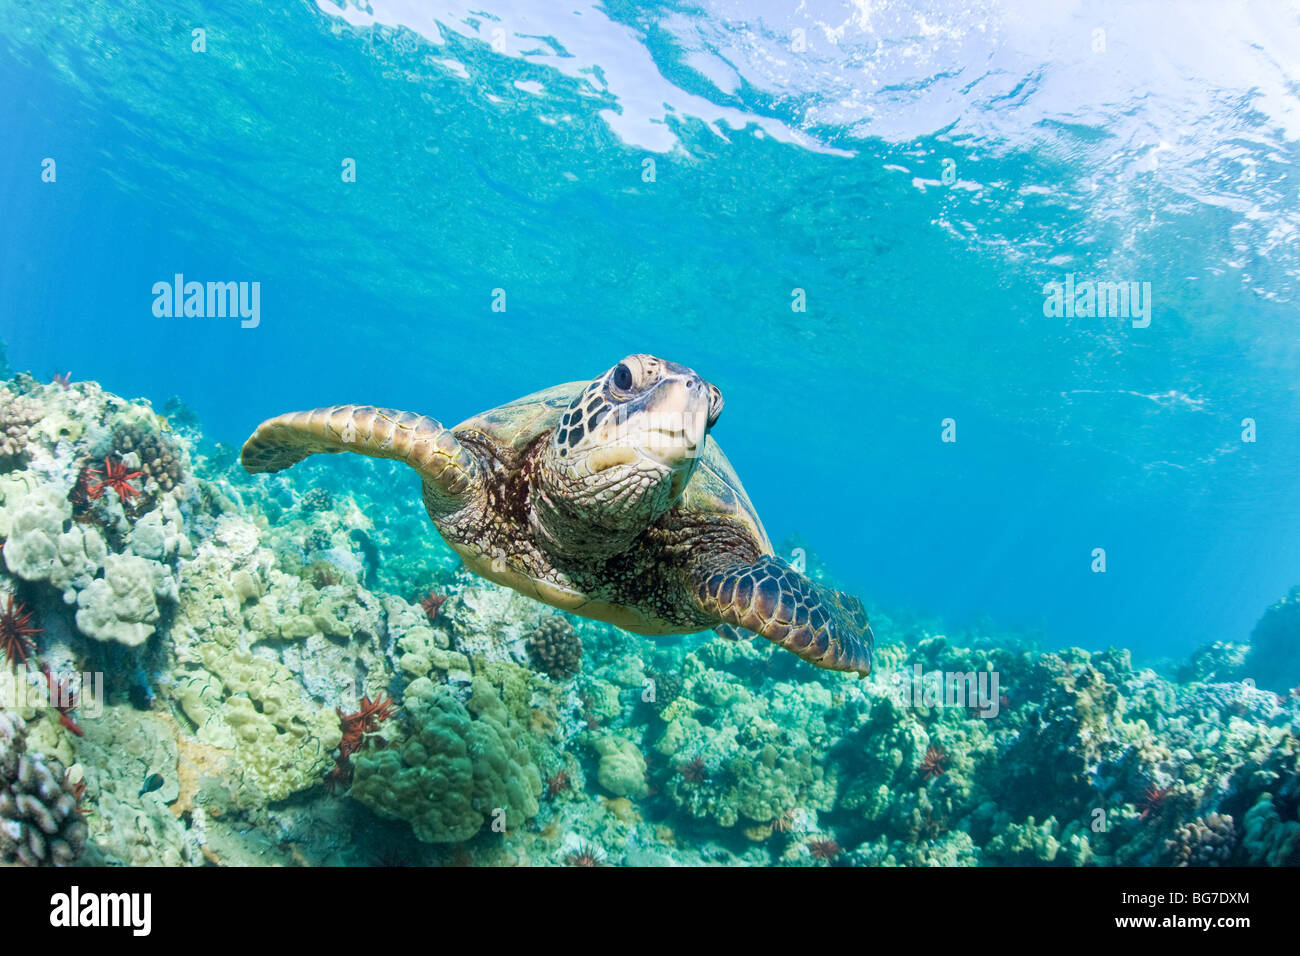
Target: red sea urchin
(16, 631)
(63, 699)
(118, 478)
(934, 763)
(584, 855)
(558, 783)
(365, 721)
(825, 850)
(1153, 800)
(694, 770)
(432, 603)
(355, 727)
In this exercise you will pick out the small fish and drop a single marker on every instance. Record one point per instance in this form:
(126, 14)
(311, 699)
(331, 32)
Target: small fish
(151, 783)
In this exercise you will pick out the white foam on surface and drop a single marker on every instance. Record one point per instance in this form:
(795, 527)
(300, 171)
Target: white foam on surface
(607, 55)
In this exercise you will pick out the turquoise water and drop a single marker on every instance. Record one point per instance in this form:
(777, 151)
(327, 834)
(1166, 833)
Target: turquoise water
(1164, 154)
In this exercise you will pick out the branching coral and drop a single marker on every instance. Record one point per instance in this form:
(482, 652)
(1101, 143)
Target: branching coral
(1207, 841)
(667, 688)
(39, 819)
(17, 414)
(161, 459)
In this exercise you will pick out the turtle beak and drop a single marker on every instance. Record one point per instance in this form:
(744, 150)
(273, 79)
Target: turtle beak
(715, 405)
(611, 457)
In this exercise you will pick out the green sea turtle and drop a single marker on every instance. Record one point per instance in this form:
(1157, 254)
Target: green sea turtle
(607, 499)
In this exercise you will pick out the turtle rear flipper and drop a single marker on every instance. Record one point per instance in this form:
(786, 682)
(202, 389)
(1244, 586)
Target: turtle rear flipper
(450, 472)
(823, 626)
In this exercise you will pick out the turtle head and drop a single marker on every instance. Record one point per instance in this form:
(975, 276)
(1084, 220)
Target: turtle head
(623, 452)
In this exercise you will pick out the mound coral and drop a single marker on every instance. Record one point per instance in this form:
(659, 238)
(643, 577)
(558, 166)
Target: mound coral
(462, 765)
(122, 606)
(555, 648)
(250, 705)
(622, 767)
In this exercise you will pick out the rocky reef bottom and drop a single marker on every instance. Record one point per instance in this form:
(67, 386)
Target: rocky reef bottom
(203, 669)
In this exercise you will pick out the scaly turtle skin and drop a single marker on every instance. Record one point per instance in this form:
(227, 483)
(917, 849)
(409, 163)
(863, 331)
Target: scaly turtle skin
(607, 499)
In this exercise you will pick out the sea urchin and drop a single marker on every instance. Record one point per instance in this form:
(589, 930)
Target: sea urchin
(16, 631)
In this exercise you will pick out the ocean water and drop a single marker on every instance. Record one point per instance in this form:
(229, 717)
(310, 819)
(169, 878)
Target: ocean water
(847, 216)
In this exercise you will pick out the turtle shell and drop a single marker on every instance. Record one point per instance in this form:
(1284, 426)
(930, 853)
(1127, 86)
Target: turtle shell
(515, 424)
(714, 488)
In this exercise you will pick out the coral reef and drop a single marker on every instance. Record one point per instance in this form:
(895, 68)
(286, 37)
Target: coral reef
(317, 499)
(39, 819)
(16, 631)
(1206, 841)
(286, 706)
(1274, 656)
(17, 414)
(555, 648)
(462, 765)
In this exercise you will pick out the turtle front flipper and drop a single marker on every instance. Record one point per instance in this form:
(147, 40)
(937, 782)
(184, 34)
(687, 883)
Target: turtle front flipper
(823, 626)
(450, 472)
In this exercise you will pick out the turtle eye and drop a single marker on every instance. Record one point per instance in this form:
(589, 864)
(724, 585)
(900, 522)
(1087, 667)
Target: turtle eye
(622, 378)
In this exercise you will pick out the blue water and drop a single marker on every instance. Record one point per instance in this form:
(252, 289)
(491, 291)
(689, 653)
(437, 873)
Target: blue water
(506, 149)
